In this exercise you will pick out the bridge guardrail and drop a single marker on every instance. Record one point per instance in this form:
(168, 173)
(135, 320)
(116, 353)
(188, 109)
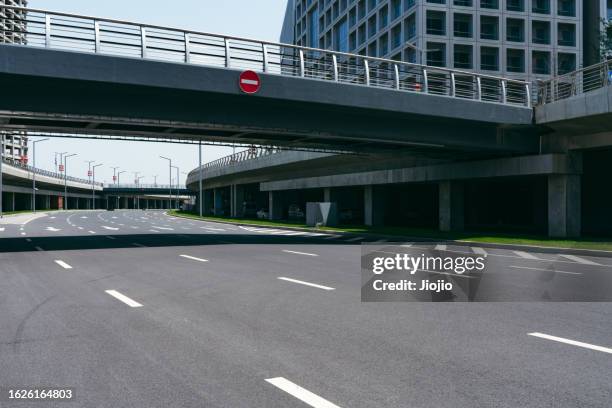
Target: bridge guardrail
(575, 83)
(48, 173)
(64, 31)
(143, 186)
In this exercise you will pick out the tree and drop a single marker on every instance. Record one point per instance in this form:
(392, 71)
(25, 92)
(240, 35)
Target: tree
(605, 40)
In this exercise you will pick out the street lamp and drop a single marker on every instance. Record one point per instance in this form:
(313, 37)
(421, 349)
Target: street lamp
(89, 172)
(119, 185)
(34, 171)
(178, 182)
(169, 179)
(93, 186)
(200, 178)
(65, 179)
(137, 184)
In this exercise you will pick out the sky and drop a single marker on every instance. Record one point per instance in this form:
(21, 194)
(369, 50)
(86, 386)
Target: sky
(261, 19)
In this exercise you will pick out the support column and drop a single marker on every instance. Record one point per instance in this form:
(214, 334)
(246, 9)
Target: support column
(238, 199)
(373, 206)
(564, 206)
(232, 200)
(327, 195)
(451, 207)
(217, 202)
(275, 211)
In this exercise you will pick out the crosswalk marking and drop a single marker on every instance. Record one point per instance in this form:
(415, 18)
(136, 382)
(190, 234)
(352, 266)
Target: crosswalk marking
(526, 255)
(579, 260)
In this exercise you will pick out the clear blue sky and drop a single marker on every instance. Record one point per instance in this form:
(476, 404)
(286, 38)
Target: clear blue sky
(261, 19)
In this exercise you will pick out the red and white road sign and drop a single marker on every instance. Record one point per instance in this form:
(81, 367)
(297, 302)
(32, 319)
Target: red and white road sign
(114, 178)
(61, 167)
(89, 173)
(249, 82)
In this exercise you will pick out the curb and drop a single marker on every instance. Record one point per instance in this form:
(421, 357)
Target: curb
(543, 249)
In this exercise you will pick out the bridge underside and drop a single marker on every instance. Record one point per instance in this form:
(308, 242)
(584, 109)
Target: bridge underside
(87, 95)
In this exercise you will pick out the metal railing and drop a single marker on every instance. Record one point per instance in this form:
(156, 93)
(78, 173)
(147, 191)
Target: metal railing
(575, 83)
(143, 186)
(47, 173)
(73, 32)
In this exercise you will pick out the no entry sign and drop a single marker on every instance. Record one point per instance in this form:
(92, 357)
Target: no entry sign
(249, 82)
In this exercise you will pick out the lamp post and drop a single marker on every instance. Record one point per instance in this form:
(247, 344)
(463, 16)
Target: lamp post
(34, 171)
(138, 184)
(176, 202)
(93, 186)
(200, 177)
(65, 179)
(118, 186)
(169, 179)
(89, 175)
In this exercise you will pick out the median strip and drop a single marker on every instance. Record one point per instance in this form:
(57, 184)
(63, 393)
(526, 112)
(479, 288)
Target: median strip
(314, 285)
(572, 342)
(301, 393)
(299, 253)
(123, 298)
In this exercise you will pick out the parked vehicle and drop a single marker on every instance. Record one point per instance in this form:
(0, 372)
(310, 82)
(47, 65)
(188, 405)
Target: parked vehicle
(263, 214)
(295, 212)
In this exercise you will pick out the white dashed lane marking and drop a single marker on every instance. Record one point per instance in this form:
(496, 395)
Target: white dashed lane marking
(572, 342)
(300, 393)
(314, 285)
(63, 264)
(123, 298)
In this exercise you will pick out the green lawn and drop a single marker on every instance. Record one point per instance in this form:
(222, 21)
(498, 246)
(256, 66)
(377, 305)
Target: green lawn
(485, 237)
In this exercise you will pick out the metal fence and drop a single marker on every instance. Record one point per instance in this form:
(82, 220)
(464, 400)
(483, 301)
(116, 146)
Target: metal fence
(575, 83)
(47, 173)
(143, 186)
(72, 32)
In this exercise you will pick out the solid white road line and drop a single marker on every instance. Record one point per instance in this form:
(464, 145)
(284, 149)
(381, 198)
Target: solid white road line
(314, 285)
(53, 229)
(526, 255)
(301, 393)
(572, 342)
(154, 231)
(123, 298)
(92, 232)
(440, 247)
(212, 229)
(406, 245)
(194, 258)
(479, 251)
(299, 253)
(63, 264)
(163, 228)
(110, 228)
(545, 270)
(579, 260)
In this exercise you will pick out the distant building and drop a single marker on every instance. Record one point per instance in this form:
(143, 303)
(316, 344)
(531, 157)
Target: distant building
(518, 39)
(13, 30)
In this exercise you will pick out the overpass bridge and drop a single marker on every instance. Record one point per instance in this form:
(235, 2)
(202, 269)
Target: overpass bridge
(94, 77)
(53, 188)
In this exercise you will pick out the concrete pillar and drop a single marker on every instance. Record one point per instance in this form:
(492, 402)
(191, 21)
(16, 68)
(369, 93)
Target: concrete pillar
(47, 202)
(237, 201)
(218, 201)
(373, 206)
(12, 202)
(451, 206)
(564, 206)
(327, 194)
(276, 205)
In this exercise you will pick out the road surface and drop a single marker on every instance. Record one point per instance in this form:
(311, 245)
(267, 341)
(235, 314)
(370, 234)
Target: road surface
(140, 309)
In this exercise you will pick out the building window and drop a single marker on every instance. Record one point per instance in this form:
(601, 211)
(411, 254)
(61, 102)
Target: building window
(490, 4)
(371, 4)
(436, 22)
(566, 62)
(515, 30)
(540, 32)
(353, 41)
(436, 54)
(314, 28)
(383, 17)
(566, 35)
(372, 28)
(342, 36)
(410, 27)
(567, 8)
(515, 60)
(541, 6)
(609, 13)
(489, 28)
(408, 4)
(353, 17)
(396, 36)
(463, 3)
(515, 5)
(489, 58)
(372, 49)
(383, 45)
(541, 62)
(462, 56)
(437, 1)
(410, 55)
(361, 9)
(462, 25)
(361, 34)
(396, 9)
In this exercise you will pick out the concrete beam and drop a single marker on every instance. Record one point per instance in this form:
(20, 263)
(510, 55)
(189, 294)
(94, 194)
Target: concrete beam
(502, 167)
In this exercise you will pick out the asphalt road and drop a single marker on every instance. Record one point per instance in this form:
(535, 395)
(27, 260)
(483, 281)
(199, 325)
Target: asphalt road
(139, 309)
